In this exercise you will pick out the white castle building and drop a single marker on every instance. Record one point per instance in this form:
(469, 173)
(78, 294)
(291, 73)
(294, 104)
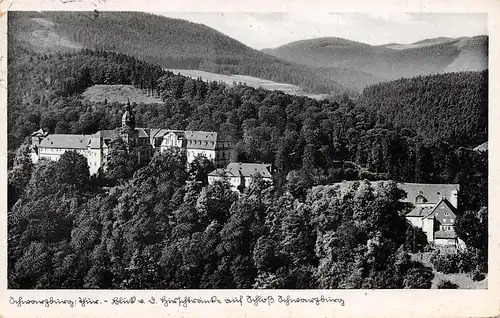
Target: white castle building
(241, 174)
(147, 141)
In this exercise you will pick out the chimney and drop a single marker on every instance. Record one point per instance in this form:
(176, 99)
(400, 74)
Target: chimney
(454, 198)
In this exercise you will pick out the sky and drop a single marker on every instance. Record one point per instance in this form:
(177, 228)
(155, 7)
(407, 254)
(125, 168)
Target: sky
(268, 30)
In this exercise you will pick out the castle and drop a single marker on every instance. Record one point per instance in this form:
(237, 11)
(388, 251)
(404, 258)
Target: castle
(146, 141)
(241, 174)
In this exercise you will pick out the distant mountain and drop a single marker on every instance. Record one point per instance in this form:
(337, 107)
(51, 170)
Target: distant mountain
(421, 43)
(324, 65)
(390, 61)
(170, 43)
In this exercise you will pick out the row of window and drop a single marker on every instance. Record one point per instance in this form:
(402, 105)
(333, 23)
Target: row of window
(63, 150)
(192, 154)
(445, 213)
(223, 155)
(60, 150)
(199, 142)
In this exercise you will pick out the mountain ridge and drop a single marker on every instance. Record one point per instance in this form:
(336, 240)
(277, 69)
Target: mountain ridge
(390, 61)
(325, 65)
(170, 43)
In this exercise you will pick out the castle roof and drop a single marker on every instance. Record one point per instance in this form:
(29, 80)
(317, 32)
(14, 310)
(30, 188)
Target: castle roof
(65, 141)
(201, 139)
(106, 134)
(431, 192)
(420, 211)
(159, 132)
(446, 204)
(143, 132)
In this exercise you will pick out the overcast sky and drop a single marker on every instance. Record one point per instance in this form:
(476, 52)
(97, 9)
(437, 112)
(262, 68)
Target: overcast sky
(267, 30)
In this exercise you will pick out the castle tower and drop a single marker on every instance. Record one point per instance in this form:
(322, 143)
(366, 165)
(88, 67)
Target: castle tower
(127, 131)
(128, 118)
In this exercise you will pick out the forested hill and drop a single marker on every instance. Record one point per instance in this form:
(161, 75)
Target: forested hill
(170, 43)
(319, 139)
(44, 90)
(152, 227)
(391, 61)
(452, 106)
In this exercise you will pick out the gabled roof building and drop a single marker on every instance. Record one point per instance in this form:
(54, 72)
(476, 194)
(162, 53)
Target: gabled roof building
(434, 210)
(146, 141)
(240, 175)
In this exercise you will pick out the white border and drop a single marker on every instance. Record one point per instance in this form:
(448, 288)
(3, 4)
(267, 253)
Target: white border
(359, 303)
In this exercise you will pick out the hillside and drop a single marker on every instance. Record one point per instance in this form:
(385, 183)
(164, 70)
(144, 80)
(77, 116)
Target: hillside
(391, 61)
(45, 90)
(452, 106)
(119, 94)
(170, 43)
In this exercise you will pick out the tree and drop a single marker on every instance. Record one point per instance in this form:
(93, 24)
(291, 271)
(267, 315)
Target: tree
(359, 231)
(472, 227)
(446, 284)
(215, 200)
(199, 169)
(121, 161)
(20, 174)
(416, 239)
(73, 170)
(418, 278)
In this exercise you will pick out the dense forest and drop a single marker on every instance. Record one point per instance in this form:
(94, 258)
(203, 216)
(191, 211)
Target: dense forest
(170, 43)
(161, 226)
(44, 89)
(452, 106)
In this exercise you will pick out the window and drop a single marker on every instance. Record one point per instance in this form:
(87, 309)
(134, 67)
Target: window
(420, 199)
(452, 220)
(447, 213)
(444, 220)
